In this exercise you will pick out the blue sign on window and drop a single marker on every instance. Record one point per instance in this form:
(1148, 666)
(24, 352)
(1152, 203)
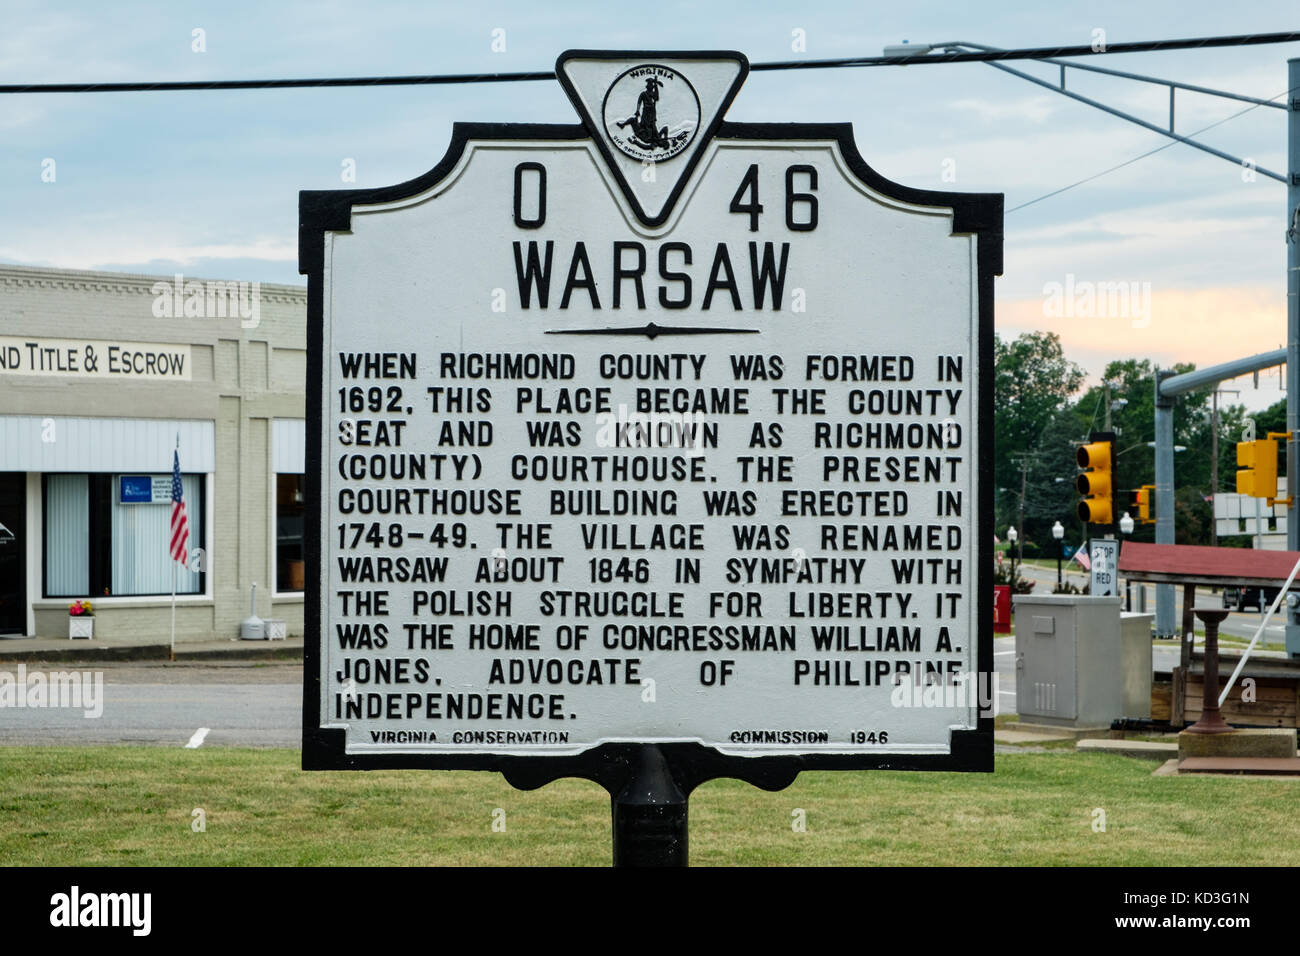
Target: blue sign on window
(136, 490)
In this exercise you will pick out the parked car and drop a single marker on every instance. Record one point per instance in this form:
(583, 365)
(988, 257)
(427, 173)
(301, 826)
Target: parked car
(1241, 599)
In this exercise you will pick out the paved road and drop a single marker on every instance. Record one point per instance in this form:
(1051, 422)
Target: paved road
(244, 705)
(1004, 662)
(239, 705)
(259, 704)
(251, 705)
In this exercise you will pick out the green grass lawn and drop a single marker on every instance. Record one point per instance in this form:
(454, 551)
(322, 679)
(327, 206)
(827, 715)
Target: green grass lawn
(133, 805)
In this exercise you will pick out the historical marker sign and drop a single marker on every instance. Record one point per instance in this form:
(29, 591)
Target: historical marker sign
(652, 429)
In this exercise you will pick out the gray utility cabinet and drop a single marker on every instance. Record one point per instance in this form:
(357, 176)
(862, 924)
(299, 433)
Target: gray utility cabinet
(1070, 660)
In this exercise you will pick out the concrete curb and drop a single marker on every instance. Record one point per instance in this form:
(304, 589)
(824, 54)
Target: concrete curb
(13, 652)
(1052, 732)
(1142, 749)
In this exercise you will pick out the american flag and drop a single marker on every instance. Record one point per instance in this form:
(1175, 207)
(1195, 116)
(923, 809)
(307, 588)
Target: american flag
(180, 525)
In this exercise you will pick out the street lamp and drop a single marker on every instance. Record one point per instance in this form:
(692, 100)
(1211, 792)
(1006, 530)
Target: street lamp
(908, 49)
(1126, 527)
(1012, 535)
(1058, 533)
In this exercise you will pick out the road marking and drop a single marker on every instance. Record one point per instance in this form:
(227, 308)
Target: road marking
(197, 740)
(1007, 693)
(1003, 653)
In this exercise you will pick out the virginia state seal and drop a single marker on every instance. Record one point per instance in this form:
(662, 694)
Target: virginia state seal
(651, 113)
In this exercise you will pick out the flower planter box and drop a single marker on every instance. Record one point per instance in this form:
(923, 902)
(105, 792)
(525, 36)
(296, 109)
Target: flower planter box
(81, 627)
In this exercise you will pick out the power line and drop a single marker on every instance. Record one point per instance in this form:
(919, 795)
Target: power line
(1150, 152)
(1096, 408)
(1033, 53)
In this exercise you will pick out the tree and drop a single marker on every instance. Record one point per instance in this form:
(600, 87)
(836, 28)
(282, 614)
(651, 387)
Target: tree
(1192, 517)
(1049, 483)
(1032, 382)
(1133, 420)
(1271, 419)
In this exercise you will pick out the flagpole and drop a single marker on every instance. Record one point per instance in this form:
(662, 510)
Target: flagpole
(173, 564)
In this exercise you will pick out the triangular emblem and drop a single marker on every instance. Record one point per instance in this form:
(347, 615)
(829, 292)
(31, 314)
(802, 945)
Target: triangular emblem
(651, 114)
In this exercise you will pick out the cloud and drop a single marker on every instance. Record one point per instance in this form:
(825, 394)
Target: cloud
(1035, 109)
(1083, 237)
(1205, 326)
(139, 255)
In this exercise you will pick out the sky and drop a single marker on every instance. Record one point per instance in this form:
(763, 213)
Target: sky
(206, 183)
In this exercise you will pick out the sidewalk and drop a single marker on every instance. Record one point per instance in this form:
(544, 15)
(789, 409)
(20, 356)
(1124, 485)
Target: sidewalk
(26, 649)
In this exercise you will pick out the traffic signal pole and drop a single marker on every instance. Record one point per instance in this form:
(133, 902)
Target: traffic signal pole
(1168, 387)
(1167, 382)
(1214, 464)
(1165, 625)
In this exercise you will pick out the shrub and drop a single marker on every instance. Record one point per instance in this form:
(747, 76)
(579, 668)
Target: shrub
(1068, 588)
(1002, 574)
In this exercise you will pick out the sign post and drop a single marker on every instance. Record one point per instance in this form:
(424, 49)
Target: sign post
(650, 449)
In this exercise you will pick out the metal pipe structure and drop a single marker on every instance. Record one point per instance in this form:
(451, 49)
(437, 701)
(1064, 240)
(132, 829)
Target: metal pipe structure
(1176, 385)
(1165, 624)
(1168, 388)
(1185, 140)
(1141, 78)
(1136, 120)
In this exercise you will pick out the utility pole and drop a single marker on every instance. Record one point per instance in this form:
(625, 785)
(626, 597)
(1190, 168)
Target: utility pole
(1293, 328)
(1023, 461)
(1214, 468)
(1020, 523)
(1114, 464)
(1214, 458)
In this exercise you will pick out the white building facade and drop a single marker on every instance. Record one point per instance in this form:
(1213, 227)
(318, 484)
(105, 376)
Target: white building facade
(103, 377)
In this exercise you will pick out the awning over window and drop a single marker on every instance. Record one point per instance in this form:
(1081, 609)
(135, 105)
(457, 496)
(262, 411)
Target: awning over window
(60, 444)
(289, 446)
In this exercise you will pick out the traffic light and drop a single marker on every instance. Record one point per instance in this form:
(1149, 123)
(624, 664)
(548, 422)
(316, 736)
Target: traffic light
(1143, 498)
(1096, 485)
(1257, 464)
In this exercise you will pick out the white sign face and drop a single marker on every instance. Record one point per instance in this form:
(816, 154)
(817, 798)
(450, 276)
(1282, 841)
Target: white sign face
(92, 358)
(1104, 555)
(586, 480)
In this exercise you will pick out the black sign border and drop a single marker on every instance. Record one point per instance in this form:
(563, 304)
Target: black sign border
(322, 211)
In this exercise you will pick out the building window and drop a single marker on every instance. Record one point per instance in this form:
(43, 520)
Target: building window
(101, 542)
(289, 493)
(67, 535)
